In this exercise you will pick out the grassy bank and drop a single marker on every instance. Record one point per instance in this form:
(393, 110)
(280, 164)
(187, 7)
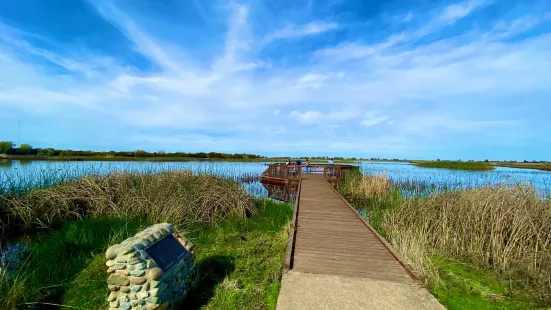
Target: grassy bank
(240, 242)
(456, 165)
(238, 263)
(537, 166)
(481, 248)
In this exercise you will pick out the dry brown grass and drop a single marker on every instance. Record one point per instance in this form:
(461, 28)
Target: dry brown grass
(175, 197)
(371, 186)
(502, 229)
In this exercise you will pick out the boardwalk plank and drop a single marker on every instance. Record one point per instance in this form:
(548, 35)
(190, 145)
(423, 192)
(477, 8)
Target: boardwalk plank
(331, 239)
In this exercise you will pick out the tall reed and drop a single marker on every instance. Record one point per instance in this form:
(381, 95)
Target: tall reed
(176, 197)
(505, 229)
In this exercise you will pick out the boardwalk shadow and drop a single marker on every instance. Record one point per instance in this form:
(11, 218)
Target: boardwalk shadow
(211, 271)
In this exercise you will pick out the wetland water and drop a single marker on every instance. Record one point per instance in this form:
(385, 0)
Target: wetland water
(25, 174)
(453, 179)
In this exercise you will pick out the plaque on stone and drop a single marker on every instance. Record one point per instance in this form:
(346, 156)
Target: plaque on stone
(151, 270)
(167, 252)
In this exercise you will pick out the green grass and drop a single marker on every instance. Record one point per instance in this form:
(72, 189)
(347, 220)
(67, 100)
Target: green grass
(462, 286)
(456, 165)
(55, 259)
(239, 263)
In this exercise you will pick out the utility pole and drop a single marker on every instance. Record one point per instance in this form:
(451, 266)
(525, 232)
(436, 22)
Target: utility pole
(18, 132)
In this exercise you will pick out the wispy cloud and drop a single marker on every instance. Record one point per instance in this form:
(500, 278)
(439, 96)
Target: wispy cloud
(408, 17)
(457, 11)
(374, 121)
(297, 31)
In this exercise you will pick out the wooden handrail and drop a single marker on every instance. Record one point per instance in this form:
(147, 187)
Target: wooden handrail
(280, 170)
(292, 232)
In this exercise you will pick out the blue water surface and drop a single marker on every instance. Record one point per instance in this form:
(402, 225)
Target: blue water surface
(454, 179)
(39, 173)
(46, 173)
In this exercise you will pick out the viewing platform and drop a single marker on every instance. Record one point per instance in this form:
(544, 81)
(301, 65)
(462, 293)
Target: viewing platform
(283, 174)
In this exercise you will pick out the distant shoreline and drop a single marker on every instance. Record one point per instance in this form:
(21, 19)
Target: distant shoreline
(156, 159)
(536, 166)
(456, 165)
(150, 159)
(519, 165)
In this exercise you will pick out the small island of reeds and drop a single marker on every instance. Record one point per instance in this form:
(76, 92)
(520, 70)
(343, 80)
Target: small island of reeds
(456, 165)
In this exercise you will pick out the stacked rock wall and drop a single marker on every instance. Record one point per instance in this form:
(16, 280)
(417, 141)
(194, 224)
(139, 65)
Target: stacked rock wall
(135, 280)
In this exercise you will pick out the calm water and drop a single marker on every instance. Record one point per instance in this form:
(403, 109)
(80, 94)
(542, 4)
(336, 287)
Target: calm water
(404, 172)
(42, 173)
(46, 173)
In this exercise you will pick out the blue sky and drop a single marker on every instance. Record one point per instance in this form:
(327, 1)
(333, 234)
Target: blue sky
(399, 79)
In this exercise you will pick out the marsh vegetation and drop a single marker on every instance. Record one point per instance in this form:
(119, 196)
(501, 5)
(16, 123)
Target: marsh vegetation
(66, 226)
(457, 165)
(480, 248)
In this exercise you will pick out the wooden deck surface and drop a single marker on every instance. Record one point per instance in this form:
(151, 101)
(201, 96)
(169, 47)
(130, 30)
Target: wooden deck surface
(331, 239)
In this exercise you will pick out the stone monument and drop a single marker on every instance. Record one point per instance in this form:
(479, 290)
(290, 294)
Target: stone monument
(151, 270)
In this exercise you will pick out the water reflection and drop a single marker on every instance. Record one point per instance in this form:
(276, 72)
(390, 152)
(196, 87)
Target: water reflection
(282, 193)
(5, 163)
(24, 163)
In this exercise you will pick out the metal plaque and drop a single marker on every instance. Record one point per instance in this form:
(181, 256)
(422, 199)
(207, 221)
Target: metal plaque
(167, 252)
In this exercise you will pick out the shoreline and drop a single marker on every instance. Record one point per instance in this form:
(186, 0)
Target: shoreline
(519, 165)
(534, 166)
(156, 159)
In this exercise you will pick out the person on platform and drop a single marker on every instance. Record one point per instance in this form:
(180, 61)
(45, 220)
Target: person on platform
(307, 165)
(331, 165)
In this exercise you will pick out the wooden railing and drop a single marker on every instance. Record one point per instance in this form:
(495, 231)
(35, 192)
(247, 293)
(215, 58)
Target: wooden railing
(284, 171)
(292, 233)
(331, 173)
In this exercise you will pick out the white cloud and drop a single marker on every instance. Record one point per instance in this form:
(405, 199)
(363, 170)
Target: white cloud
(307, 117)
(296, 31)
(448, 15)
(374, 121)
(408, 17)
(455, 12)
(312, 77)
(144, 43)
(237, 42)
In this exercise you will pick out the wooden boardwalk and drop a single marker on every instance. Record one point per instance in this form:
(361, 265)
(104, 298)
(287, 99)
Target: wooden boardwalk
(331, 239)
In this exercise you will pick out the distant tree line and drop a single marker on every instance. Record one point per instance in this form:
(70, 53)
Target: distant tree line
(9, 148)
